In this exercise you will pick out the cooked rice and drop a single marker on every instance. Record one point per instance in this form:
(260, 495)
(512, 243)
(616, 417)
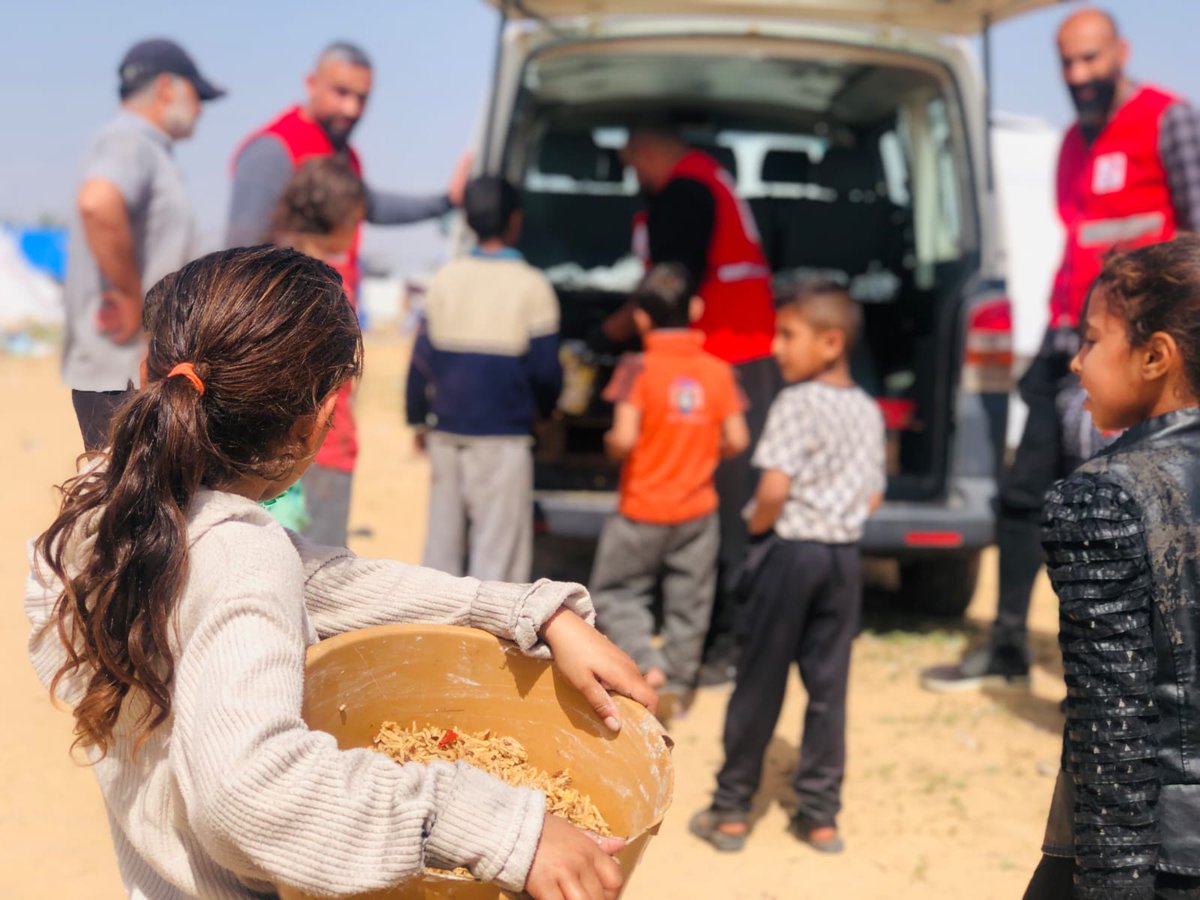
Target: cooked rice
(497, 755)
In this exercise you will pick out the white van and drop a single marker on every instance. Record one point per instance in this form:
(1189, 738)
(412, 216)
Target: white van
(856, 131)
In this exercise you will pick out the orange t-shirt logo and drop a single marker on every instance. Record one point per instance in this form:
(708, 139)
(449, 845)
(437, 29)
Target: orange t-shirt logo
(686, 397)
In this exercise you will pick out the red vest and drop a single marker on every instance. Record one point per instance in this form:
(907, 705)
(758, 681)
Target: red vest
(1112, 193)
(304, 139)
(739, 312)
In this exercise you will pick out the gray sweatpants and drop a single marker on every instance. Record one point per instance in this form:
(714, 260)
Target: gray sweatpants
(633, 558)
(327, 496)
(480, 507)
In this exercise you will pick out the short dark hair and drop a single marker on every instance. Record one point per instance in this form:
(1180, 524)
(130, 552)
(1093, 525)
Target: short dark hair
(489, 202)
(1157, 288)
(825, 305)
(345, 52)
(325, 194)
(665, 294)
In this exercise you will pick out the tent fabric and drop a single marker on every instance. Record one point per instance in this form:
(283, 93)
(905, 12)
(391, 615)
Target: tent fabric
(28, 296)
(44, 249)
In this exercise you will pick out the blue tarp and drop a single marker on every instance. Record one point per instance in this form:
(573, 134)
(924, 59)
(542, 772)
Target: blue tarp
(45, 248)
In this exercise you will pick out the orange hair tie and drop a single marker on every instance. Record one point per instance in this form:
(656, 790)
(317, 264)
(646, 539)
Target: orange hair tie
(188, 371)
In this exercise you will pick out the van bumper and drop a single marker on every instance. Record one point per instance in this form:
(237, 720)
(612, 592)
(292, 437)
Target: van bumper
(962, 521)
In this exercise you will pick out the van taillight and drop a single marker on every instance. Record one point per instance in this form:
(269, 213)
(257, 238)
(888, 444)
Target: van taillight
(988, 360)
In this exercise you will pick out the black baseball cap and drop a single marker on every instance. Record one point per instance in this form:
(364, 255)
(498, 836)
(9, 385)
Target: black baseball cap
(148, 59)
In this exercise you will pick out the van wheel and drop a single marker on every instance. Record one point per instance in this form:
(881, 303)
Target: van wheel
(940, 586)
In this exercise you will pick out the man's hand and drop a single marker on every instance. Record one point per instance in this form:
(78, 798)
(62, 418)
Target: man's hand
(420, 444)
(120, 316)
(595, 665)
(109, 236)
(458, 181)
(620, 327)
(571, 864)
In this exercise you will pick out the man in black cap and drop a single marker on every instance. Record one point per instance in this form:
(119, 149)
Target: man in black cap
(134, 225)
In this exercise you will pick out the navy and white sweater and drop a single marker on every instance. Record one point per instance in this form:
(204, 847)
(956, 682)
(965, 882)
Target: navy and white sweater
(485, 362)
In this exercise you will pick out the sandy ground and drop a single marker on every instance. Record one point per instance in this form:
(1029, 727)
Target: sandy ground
(945, 795)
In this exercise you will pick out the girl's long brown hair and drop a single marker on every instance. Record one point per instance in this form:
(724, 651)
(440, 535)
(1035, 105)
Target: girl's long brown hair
(270, 334)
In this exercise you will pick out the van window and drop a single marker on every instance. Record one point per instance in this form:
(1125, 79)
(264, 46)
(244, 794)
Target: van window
(926, 137)
(895, 168)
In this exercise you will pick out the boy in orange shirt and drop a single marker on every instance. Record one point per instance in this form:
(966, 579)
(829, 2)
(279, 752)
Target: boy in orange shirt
(678, 410)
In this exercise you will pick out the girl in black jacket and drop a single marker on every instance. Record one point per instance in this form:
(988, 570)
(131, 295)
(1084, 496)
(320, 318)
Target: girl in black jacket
(1122, 541)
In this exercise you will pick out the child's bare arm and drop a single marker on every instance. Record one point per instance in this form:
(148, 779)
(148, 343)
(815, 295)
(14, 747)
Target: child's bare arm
(773, 489)
(619, 440)
(735, 435)
(875, 502)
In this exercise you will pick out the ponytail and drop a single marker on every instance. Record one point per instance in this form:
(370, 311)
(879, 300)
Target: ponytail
(115, 612)
(272, 334)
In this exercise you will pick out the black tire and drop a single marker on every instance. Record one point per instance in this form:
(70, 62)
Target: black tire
(941, 585)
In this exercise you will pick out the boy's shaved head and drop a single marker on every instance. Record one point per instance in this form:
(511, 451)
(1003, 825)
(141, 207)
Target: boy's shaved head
(824, 305)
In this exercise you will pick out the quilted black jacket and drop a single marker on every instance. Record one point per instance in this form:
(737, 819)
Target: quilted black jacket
(1122, 541)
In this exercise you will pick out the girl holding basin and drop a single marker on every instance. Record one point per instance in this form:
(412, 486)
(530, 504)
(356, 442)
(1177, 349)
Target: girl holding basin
(173, 613)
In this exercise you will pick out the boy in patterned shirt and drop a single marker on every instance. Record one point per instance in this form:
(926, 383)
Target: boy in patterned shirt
(822, 462)
(678, 410)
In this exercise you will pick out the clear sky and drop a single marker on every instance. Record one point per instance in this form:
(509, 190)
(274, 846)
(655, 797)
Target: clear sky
(432, 58)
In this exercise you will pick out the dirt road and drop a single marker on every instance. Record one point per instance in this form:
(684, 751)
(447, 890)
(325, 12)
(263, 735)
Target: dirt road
(945, 796)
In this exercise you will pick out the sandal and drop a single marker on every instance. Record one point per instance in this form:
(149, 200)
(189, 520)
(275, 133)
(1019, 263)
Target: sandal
(822, 838)
(707, 823)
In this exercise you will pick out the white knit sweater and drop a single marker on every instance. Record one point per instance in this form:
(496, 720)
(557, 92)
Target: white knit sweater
(233, 793)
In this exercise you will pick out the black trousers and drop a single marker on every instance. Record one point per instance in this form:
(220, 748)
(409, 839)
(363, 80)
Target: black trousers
(94, 411)
(736, 481)
(804, 606)
(1054, 876)
(1040, 460)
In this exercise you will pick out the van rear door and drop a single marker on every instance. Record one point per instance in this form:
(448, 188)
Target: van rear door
(946, 16)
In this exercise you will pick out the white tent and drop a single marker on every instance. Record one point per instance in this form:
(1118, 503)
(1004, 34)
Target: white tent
(27, 296)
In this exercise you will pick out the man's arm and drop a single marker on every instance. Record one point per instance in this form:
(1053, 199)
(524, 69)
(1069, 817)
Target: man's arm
(385, 208)
(1179, 150)
(109, 235)
(260, 175)
(681, 224)
(115, 189)
(680, 227)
